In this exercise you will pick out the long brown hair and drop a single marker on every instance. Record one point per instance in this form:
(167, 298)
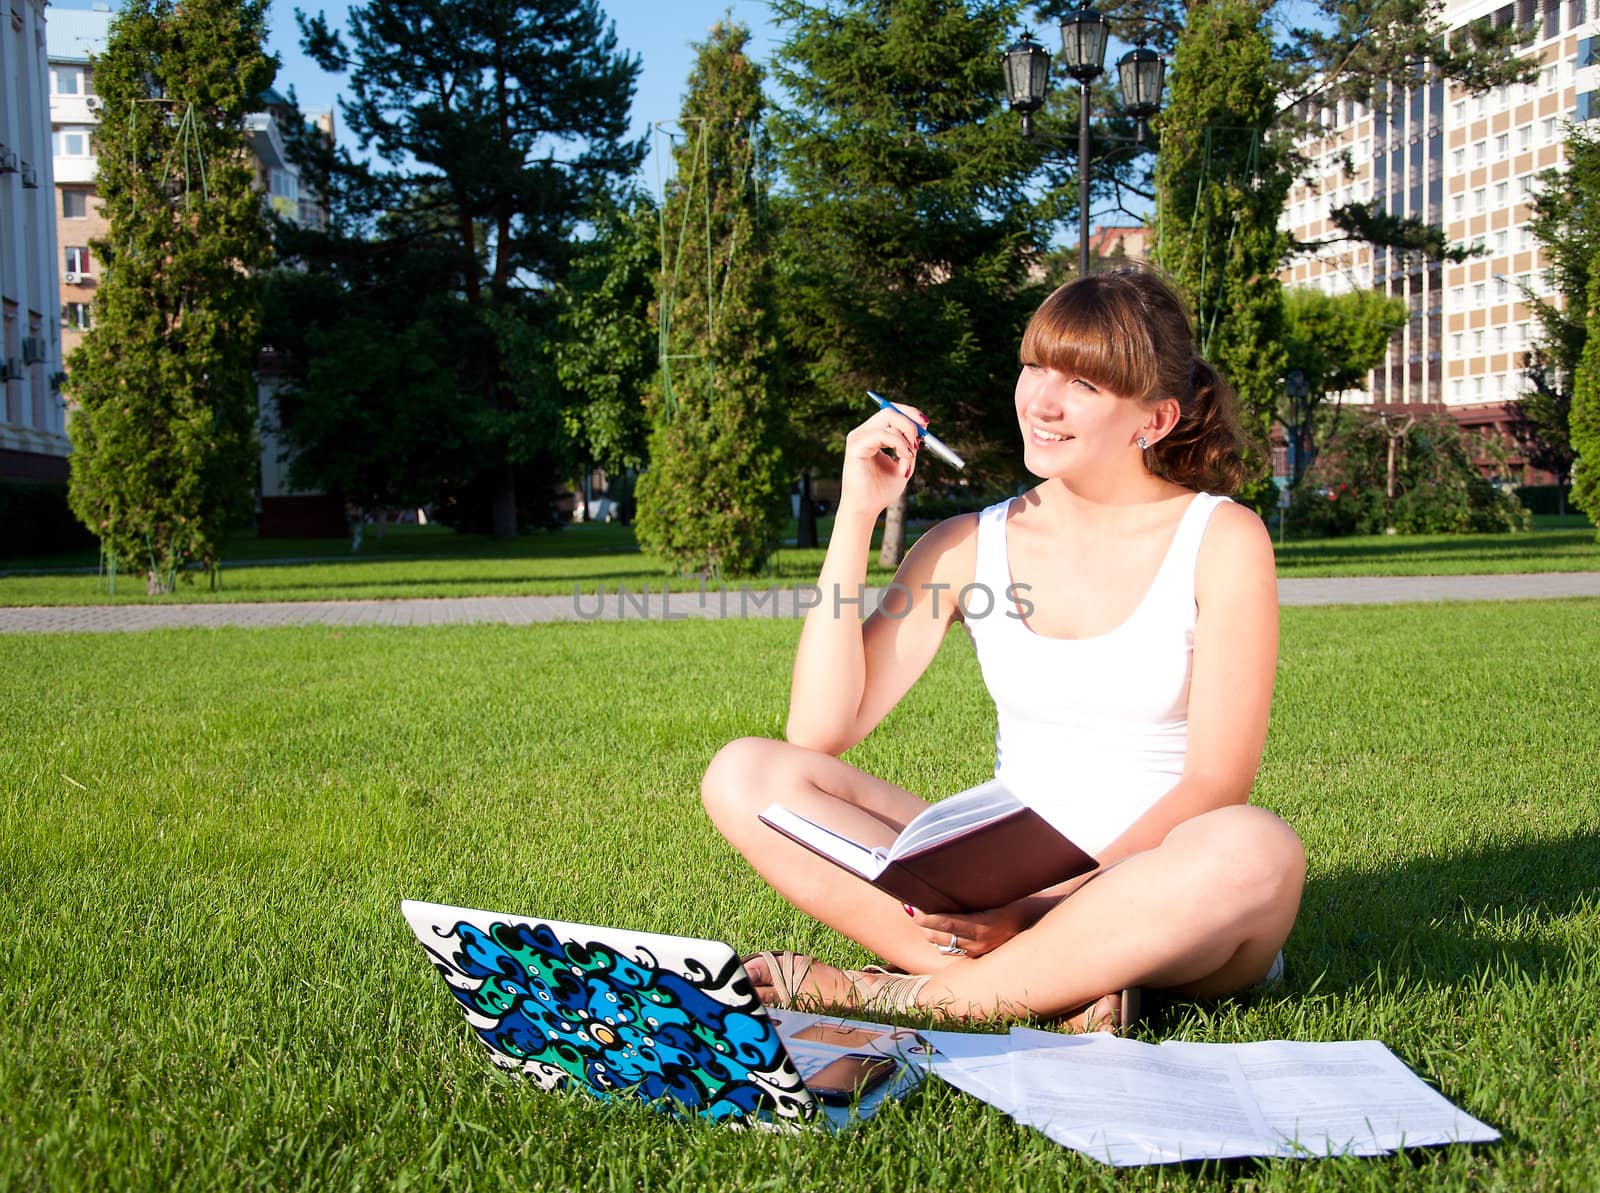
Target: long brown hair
(1127, 331)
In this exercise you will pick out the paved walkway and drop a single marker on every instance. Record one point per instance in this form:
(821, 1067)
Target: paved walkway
(657, 605)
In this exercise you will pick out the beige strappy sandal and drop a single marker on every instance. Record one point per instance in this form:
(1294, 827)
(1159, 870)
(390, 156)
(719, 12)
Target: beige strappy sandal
(872, 989)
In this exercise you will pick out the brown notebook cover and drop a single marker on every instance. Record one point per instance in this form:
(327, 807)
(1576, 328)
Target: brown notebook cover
(986, 866)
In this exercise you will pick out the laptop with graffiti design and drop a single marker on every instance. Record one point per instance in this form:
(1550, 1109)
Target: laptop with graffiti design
(669, 1019)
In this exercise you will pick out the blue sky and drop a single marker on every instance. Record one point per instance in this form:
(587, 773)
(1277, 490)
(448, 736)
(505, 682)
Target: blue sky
(658, 31)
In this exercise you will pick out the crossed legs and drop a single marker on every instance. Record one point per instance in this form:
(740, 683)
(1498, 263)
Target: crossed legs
(1202, 914)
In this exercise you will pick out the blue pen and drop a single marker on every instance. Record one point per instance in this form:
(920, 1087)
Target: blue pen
(932, 442)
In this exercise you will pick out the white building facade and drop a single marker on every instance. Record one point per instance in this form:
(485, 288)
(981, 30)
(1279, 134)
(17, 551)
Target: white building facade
(1470, 164)
(33, 440)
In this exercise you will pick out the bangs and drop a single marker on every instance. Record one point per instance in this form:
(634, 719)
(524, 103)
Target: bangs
(1096, 329)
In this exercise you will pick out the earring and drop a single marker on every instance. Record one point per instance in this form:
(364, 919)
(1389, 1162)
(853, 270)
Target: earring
(1142, 442)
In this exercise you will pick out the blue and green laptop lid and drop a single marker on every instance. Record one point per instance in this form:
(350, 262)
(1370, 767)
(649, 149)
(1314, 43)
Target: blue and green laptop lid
(668, 1019)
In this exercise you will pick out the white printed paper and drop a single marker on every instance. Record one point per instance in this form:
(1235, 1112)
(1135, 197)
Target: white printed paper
(1123, 1102)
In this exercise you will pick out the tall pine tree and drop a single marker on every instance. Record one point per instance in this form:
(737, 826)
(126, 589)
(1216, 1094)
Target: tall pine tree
(163, 435)
(1586, 406)
(908, 223)
(1221, 188)
(498, 125)
(710, 499)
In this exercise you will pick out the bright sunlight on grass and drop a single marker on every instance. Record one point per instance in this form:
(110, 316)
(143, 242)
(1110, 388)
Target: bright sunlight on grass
(206, 835)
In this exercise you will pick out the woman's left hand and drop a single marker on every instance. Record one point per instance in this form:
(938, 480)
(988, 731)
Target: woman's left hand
(973, 932)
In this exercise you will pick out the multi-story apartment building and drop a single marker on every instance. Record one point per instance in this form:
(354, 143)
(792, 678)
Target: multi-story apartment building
(1470, 164)
(74, 36)
(33, 442)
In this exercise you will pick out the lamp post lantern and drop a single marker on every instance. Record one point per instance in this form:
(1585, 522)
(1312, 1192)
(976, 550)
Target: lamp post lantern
(1084, 33)
(1027, 70)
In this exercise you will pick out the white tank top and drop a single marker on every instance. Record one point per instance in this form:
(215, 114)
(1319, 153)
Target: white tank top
(1091, 731)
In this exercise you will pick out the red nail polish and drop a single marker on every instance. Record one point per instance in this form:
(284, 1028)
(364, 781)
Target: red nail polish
(910, 910)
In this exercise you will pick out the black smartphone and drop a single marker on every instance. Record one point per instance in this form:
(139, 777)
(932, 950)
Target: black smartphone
(842, 1081)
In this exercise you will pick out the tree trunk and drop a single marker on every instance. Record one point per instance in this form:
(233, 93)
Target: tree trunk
(806, 536)
(894, 534)
(505, 502)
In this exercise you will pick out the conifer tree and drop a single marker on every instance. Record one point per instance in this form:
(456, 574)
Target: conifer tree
(1586, 406)
(497, 126)
(163, 435)
(1221, 188)
(908, 223)
(710, 499)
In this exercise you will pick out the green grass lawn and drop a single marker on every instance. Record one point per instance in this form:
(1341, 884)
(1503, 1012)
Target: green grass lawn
(204, 836)
(431, 561)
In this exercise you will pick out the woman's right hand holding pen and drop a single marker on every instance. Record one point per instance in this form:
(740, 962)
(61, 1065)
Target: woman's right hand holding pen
(879, 457)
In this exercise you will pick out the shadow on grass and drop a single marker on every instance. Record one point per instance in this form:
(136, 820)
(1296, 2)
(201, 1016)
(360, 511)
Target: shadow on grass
(1441, 920)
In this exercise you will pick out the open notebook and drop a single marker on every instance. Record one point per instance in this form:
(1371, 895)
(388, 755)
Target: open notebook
(669, 1019)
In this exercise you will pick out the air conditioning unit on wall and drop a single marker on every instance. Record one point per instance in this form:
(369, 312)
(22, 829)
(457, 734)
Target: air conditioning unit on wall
(12, 369)
(33, 350)
(74, 278)
(93, 102)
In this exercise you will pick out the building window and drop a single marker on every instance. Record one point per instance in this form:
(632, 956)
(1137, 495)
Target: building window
(66, 80)
(1479, 196)
(1588, 106)
(77, 259)
(76, 315)
(285, 185)
(1501, 191)
(71, 142)
(74, 205)
(1458, 113)
(1456, 342)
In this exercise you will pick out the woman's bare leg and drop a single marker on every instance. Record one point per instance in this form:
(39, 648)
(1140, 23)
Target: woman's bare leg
(749, 774)
(1202, 915)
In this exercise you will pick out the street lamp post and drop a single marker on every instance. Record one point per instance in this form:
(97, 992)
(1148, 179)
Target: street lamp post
(1083, 44)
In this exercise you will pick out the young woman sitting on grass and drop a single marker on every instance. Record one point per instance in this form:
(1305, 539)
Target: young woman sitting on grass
(1129, 646)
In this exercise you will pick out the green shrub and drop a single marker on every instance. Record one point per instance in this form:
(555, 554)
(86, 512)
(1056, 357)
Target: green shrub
(1437, 488)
